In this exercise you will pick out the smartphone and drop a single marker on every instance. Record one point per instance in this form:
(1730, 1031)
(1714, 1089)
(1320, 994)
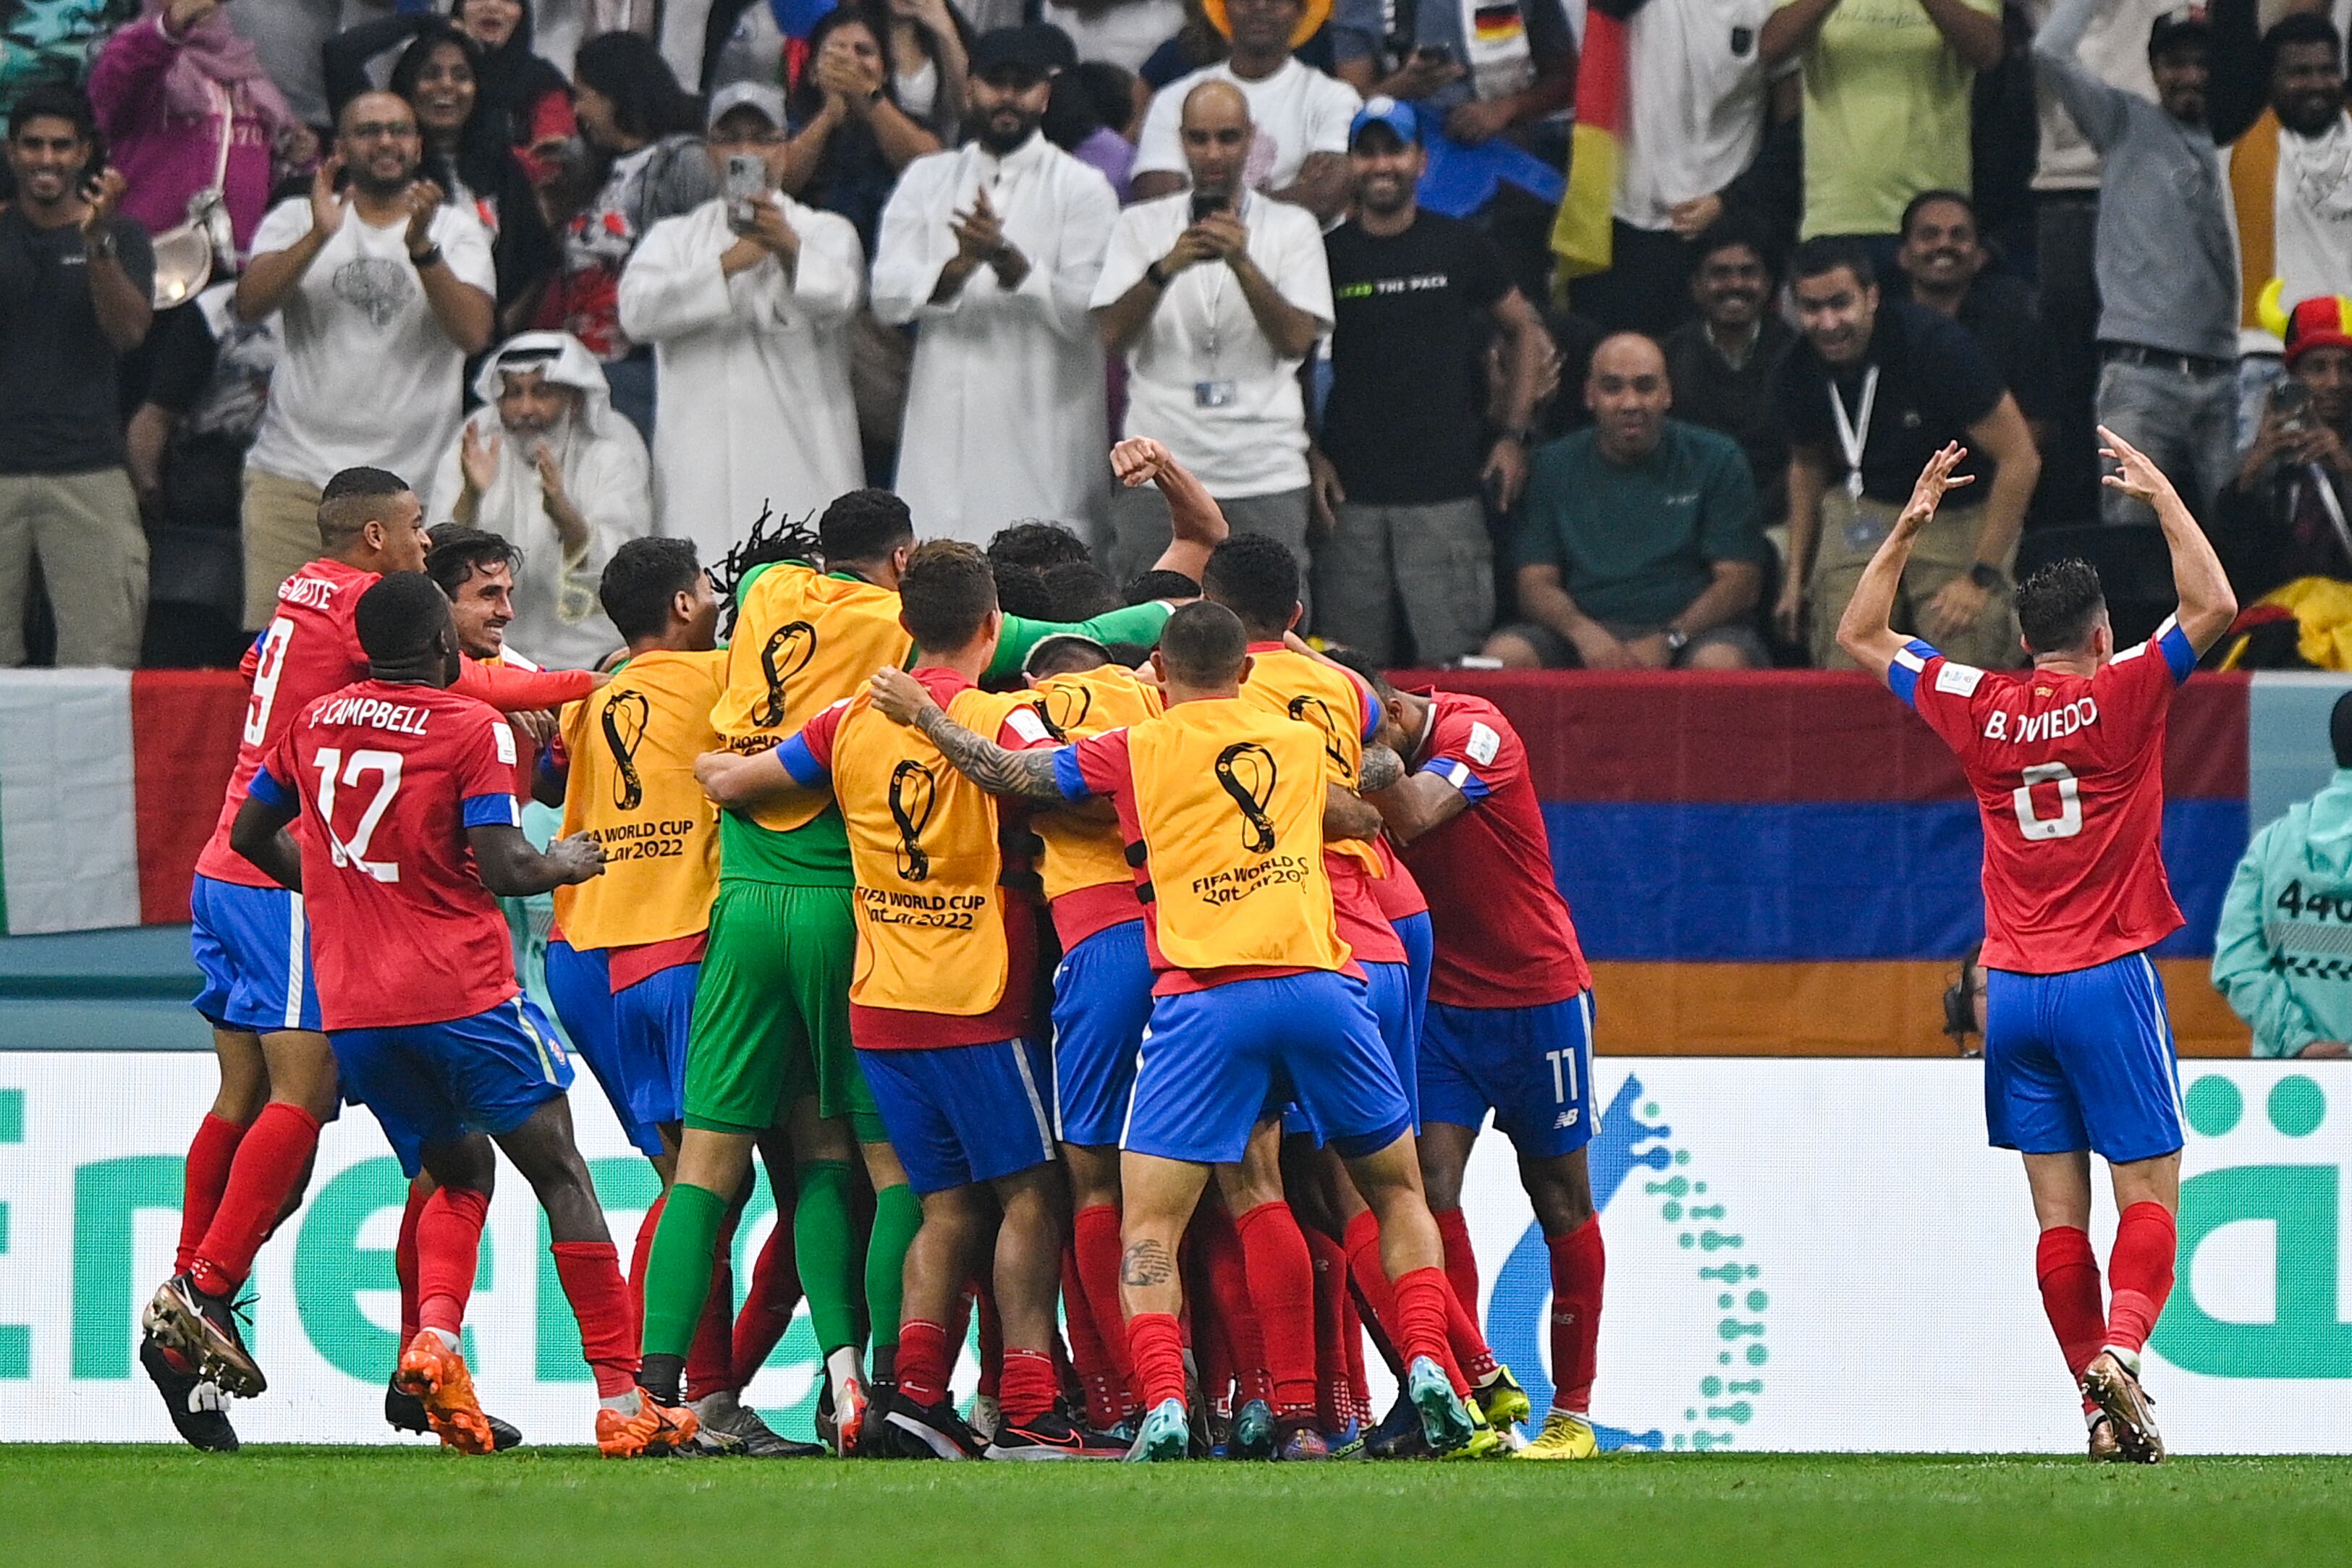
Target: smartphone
(2290, 404)
(1205, 203)
(747, 176)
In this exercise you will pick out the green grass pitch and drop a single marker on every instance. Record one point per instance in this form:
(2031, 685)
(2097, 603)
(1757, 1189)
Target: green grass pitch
(417, 1508)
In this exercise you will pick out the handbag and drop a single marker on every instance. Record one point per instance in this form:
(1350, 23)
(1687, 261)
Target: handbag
(186, 254)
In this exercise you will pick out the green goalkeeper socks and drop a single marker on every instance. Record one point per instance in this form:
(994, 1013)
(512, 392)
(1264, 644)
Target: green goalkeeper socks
(677, 1273)
(823, 1238)
(897, 1214)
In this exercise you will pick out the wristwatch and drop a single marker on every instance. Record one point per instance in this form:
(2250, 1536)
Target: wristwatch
(1986, 575)
(1156, 275)
(1676, 641)
(425, 257)
(100, 246)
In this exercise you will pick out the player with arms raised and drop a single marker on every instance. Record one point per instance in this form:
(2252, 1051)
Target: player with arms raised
(2068, 761)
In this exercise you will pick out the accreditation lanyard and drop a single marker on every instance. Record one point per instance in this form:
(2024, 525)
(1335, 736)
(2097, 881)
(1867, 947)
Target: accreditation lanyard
(1852, 433)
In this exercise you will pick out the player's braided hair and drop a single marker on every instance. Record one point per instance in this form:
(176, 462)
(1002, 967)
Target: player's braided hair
(771, 538)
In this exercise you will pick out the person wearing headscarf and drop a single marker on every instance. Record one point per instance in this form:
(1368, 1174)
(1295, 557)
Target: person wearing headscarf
(546, 464)
(522, 99)
(165, 89)
(466, 154)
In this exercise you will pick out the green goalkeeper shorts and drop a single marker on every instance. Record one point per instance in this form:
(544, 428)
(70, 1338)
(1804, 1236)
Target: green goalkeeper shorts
(772, 1012)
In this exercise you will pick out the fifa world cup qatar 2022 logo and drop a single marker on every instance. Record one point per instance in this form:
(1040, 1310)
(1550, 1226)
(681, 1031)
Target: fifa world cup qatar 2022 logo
(1643, 1177)
(1246, 771)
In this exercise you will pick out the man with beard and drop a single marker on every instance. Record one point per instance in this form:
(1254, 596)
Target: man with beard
(2291, 184)
(384, 287)
(1720, 365)
(547, 465)
(746, 303)
(1406, 451)
(993, 249)
(1874, 389)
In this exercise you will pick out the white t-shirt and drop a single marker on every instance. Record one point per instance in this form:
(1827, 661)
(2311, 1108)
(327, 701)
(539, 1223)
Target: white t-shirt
(2113, 50)
(1204, 378)
(367, 376)
(1298, 110)
(1694, 103)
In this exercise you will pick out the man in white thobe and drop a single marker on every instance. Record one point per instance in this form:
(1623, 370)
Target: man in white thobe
(994, 250)
(747, 305)
(546, 464)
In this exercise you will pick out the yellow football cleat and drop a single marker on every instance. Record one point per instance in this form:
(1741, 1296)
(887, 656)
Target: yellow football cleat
(1504, 1402)
(1564, 1437)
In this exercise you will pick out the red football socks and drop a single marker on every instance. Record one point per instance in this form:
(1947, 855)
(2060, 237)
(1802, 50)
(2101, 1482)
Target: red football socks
(1094, 1238)
(449, 1246)
(923, 1360)
(211, 1154)
(403, 1261)
(1332, 1297)
(2069, 1273)
(768, 1307)
(1579, 1268)
(1218, 1250)
(1158, 1345)
(590, 1273)
(1086, 1354)
(710, 1354)
(1461, 1261)
(270, 1160)
(1282, 1288)
(2139, 1273)
(638, 1254)
(1363, 1243)
(1419, 1321)
(1028, 1386)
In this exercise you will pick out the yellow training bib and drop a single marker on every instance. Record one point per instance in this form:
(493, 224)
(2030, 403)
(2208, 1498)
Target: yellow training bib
(923, 845)
(803, 642)
(631, 747)
(1295, 686)
(1229, 799)
(1080, 854)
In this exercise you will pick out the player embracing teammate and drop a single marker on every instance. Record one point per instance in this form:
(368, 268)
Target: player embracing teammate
(2067, 762)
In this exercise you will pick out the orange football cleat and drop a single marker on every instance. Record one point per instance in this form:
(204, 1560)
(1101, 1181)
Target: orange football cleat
(657, 1429)
(437, 1374)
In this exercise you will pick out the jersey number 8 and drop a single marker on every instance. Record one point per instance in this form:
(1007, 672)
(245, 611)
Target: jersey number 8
(2069, 820)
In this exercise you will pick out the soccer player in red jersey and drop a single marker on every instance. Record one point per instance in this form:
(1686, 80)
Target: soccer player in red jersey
(409, 834)
(2067, 762)
(249, 1160)
(1509, 1023)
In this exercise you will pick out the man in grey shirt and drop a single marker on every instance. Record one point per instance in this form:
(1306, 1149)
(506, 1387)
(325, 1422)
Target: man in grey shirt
(2167, 266)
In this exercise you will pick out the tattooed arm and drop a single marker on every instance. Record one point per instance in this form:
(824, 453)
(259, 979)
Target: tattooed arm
(1381, 768)
(1027, 775)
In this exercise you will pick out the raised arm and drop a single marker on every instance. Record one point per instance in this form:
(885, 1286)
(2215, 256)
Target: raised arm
(2207, 603)
(1197, 523)
(1969, 33)
(1025, 775)
(1863, 631)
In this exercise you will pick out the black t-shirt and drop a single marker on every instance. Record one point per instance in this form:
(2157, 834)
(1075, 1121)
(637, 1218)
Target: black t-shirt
(1933, 381)
(57, 412)
(1738, 403)
(1404, 420)
(2000, 313)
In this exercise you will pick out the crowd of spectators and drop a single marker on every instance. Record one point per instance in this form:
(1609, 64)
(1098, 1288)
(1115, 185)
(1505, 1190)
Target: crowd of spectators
(595, 270)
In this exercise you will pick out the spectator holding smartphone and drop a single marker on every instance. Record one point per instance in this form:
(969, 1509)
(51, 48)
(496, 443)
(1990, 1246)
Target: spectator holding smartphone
(1215, 296)
(2284, 516)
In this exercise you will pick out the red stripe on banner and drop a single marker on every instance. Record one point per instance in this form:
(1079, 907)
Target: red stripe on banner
(1601, 74)
(1784, 736)
(184, 725)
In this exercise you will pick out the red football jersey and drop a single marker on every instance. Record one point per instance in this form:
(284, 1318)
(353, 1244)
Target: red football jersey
(1504, 936)
(311, 649)
(388, 777)
(2069, 776)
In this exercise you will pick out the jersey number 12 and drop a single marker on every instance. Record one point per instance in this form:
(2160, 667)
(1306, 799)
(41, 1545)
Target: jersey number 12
(352, 852)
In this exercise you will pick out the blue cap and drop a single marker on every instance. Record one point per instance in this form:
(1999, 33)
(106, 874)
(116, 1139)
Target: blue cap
(1385, 111)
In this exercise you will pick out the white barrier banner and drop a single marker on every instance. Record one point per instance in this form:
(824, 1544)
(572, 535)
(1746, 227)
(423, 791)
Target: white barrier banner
(1802, 1255)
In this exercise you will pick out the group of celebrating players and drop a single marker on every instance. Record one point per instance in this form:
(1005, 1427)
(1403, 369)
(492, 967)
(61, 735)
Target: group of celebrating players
(806, 894)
